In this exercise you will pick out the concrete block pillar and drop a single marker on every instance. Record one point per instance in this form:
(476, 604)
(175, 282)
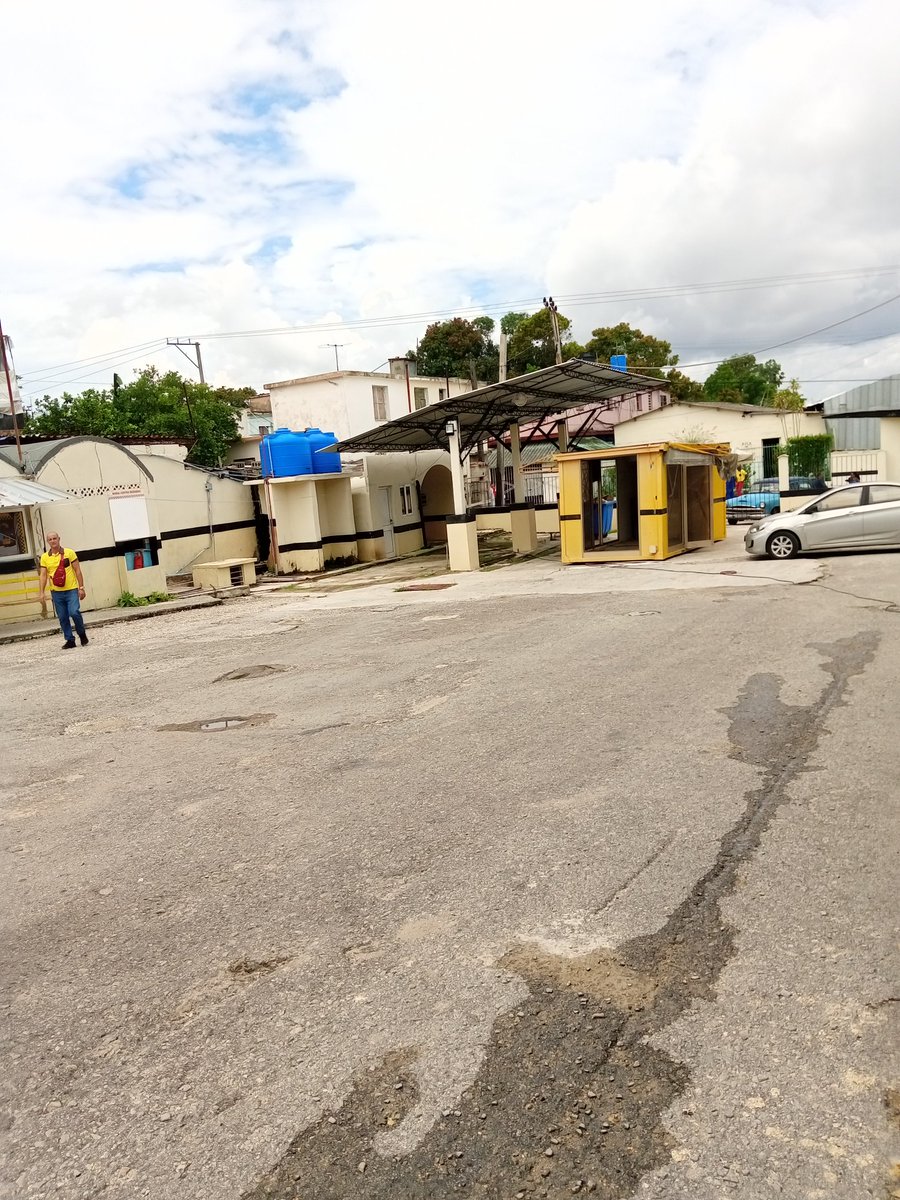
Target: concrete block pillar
(515, 451)
(784, 473)
(462, 543)
(523, 526)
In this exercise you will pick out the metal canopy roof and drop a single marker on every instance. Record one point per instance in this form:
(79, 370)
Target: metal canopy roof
(25, 493)
(489, 411)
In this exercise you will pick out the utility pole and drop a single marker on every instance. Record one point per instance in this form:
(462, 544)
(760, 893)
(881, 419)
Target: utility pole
(335, 346)
(179, 344)
(4, 351)
(502, 375)
(550, 303)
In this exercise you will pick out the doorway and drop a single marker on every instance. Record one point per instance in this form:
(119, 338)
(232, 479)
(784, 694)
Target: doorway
(698, 493)
(387, 520)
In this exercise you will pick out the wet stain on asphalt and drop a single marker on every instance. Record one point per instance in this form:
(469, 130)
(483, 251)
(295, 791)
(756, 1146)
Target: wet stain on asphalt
(570, 1098)
(217, 724)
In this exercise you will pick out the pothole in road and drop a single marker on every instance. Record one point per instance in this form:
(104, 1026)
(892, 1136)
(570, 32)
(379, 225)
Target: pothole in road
(424, 587)
(571, 1095)
(258, 671)
(217, 724)
(250, 968)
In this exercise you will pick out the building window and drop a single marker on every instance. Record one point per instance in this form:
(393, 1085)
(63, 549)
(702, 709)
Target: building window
(380, 401)
(13, 542)
(406, 503)
(442, 394)
(264, 430)
(640, 403)
(420, 395)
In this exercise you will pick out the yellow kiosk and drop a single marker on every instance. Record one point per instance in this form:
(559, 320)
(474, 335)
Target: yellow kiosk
(641, 502)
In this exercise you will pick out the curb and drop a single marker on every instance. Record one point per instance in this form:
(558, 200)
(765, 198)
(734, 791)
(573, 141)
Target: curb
(133, 614)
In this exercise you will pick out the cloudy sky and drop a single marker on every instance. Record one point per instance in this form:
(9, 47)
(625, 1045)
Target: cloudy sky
(723, 175)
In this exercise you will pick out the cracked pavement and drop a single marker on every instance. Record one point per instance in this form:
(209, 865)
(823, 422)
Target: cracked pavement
(513, 894)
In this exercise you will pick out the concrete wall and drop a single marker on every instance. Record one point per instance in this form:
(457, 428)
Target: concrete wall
(98, 474)
(101, 479)
(313, 521)
(717, 423)
(546, 519)
(186, 501)
(342, 402)
(890, 445)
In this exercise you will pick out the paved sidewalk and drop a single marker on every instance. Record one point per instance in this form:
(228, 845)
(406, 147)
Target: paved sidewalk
(24, 631)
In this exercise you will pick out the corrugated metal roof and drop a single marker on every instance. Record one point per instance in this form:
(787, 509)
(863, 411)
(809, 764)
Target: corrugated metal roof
(538, 452)
(24, 493)
(846, 413)
(489, 411)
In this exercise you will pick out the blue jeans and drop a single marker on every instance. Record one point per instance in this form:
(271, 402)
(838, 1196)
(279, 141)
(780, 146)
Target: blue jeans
(68, 612)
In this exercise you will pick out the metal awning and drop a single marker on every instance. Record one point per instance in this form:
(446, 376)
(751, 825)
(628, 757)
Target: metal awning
(489, 411)
(25, 493)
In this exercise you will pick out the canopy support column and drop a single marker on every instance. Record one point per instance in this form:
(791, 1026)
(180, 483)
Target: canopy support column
(522, 523)
(462, 535)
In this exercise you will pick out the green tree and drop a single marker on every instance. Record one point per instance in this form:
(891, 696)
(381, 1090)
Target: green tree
(790, 397)
(458, 347)
(684, 389)
(742, 380)
(153, 404)
(531, 343)
(647, 355)
(510, 323)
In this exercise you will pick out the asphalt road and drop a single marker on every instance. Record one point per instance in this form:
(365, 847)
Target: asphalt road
(511, 896)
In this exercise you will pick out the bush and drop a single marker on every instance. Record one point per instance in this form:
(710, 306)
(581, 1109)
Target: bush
(809, 455)
(129, 600)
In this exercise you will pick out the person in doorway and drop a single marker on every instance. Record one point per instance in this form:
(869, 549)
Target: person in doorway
(62, 570)
(853, 477)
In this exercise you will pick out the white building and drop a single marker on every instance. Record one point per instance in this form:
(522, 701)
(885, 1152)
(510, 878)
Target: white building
(748, 428)
(350, 402)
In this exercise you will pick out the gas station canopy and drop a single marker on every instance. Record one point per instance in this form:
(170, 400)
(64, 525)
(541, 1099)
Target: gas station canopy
(489, 411)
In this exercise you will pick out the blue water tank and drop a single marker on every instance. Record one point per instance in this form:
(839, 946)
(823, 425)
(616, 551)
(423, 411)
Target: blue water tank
(285, 452)
(326, 461)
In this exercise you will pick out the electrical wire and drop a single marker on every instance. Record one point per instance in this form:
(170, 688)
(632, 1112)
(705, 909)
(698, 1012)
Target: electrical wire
(46, 375)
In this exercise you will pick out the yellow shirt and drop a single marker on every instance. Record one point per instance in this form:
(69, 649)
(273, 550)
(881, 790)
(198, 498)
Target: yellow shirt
(52, 561)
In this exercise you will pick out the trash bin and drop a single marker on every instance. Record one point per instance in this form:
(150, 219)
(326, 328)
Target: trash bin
(608, 507)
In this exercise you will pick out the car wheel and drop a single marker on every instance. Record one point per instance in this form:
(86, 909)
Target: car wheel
(775, 512)
(783, 544)
(732, 520)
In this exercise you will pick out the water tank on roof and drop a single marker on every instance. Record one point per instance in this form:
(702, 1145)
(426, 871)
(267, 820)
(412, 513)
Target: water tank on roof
(285, 452)
(327, 461)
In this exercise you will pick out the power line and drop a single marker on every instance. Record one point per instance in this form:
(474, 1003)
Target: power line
(96, 358)
(667, 291)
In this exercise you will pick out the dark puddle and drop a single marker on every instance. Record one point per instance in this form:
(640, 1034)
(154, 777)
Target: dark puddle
(217, 724)
(570, 1099)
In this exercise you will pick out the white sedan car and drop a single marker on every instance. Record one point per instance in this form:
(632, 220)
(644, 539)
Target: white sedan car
(859, 517)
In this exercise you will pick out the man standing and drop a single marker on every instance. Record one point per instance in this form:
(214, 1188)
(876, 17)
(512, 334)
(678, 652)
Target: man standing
(61, 567)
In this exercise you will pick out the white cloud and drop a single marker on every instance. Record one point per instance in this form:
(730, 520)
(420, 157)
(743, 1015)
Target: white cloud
(416, 159)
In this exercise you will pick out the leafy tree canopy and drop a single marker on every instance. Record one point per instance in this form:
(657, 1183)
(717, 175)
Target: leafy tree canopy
(458, 347)
(683, 388)
(743, 380)
(153, 404)
(647, 355)
(790, 397)
(531, 344)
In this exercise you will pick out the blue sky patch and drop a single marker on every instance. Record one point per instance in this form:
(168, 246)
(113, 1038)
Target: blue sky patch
(270, 251)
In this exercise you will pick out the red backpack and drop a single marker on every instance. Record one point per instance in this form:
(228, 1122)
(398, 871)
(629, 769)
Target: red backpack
(58, 578)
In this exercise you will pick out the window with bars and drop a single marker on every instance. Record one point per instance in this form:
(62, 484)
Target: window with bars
(380, 401)
(420, 396)
(406, 502)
